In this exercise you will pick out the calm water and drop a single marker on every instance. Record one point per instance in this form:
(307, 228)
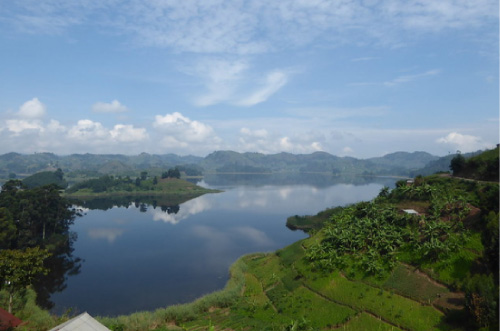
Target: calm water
(142, 258)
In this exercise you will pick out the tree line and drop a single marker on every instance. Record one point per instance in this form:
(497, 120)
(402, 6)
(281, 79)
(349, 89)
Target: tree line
(35, 239)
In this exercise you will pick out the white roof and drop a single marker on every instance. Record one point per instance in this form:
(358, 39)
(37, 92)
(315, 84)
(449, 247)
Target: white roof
(82, 322)
(410, 211)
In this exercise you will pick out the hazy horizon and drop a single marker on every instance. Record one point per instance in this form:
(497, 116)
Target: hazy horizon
(242, 152)
(360, 78)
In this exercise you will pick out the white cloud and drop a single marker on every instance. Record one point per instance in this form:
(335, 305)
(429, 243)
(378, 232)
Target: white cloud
(179, 131)
(17, 126)
(274, 82)
(260, 140)
(55, 126)
(260, 133)
(88, 131)
(113, 107)
(32, 109)
(464, 143)
(127, 133)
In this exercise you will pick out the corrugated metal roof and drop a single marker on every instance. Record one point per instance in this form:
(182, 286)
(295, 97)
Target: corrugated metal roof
(7, 320)
(83, 322)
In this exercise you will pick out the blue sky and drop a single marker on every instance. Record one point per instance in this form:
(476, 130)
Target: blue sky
(352, 78)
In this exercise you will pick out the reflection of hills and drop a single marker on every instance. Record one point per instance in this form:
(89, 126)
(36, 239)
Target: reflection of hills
(167, 203)
(316, 180)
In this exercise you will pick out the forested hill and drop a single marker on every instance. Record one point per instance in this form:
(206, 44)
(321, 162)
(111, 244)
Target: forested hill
(14, 165)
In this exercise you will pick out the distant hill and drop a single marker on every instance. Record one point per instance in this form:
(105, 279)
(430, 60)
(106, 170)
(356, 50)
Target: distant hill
(46, 178)
(223, 162)
(25, 165)
(481, 167)
(405, 160)
(441, 164)
(400, 163)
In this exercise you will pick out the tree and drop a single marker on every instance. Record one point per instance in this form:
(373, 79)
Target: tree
(7, 228)
(18, 269)
(144, 175)
(174, 173)
(457, 164)
(155, 180)
(480, 299)
(38, 213)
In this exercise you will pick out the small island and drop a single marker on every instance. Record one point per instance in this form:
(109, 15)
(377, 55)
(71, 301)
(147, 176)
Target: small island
(110, 186)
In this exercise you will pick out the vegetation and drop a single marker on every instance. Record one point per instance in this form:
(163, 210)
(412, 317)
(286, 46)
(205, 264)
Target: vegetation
(46, 178)
(309, 224)
(36, 247)
(367, 266)
(483, 166)
(18, 268)
(143, 185)
(371, 267)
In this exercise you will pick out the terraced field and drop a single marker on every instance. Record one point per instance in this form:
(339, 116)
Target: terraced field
(282, 292)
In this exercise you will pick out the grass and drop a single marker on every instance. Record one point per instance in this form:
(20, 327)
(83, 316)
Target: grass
(25, 308)
(366, 321)
(387, 305)
(410, 283)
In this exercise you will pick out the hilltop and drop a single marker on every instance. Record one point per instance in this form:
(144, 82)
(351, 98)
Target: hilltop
(78, 166)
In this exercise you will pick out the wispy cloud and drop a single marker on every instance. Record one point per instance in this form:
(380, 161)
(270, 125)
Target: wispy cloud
(363, 59)
(251, 27)
(274, 82)
(221, 79)
(113, 107)
(409, 78)
(400, 79)
(228, 81)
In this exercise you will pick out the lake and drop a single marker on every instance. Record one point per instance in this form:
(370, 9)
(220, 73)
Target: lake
(144, 257)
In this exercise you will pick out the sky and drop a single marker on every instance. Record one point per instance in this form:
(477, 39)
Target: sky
(358, 78)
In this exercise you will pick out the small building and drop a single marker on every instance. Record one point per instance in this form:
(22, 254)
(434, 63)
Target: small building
(411, 211)
(8, 321)
(82, 322)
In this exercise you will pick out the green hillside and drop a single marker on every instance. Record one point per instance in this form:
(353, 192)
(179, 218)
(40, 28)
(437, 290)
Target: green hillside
(370, 267)
(46, 178)
(482, 167)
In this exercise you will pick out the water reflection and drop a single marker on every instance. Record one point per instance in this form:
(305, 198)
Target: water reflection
(110, 234)
(182, 212)
(135, 259)
(318, 180)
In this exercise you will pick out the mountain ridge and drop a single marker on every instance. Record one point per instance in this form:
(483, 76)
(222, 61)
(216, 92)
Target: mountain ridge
(226, 161)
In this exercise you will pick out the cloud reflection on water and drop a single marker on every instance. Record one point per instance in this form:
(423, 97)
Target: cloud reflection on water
(186, 209)
(110, 234)
(301, 198)
(252, 234)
